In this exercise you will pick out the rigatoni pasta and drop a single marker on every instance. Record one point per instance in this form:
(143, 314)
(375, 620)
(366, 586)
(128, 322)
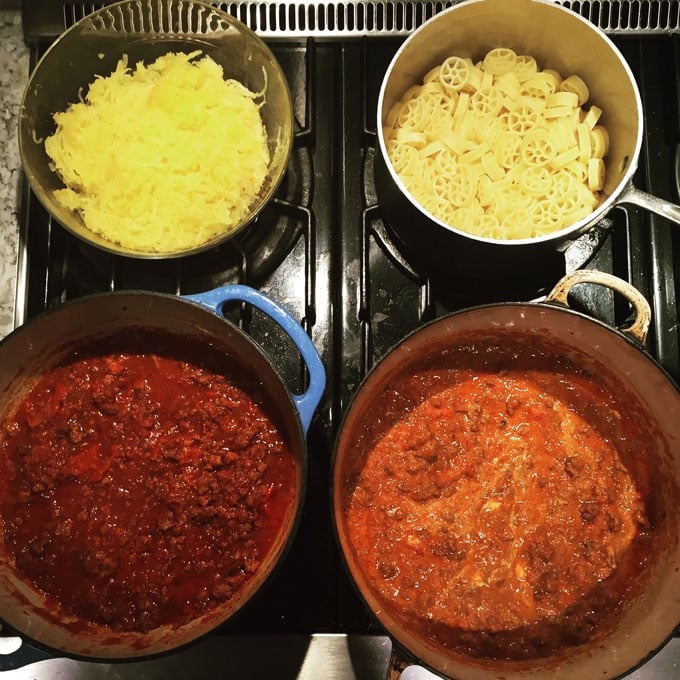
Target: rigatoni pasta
(499, 148)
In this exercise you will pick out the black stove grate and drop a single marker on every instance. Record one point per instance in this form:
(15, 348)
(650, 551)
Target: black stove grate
(324, 249)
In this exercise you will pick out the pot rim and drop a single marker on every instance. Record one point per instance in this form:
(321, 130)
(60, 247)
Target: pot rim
(566, 233)
(275, 562)
(552, 306)
(359, 582)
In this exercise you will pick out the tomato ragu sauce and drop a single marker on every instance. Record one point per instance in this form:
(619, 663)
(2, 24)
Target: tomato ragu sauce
(498, 504)
(144, 488)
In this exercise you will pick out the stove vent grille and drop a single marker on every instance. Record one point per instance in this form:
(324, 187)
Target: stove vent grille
(375, 18)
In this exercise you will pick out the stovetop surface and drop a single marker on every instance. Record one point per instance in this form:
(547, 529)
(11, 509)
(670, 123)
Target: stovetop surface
(324, 250)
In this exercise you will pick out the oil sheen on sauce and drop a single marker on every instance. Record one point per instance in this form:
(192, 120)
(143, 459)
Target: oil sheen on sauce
(143, 487)
(498, 507)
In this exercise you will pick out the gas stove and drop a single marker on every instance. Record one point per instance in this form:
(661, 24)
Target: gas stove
(324, 250)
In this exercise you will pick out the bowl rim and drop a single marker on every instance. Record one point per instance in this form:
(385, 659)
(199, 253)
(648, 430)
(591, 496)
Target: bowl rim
(61, 214)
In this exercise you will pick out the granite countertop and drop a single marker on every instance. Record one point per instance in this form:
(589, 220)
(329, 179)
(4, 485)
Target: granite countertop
(14, 70)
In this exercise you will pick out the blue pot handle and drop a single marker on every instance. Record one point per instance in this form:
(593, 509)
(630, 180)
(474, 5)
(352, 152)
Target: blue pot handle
(306, 402)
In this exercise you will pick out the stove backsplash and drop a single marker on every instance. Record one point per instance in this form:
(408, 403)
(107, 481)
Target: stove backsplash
(286, 19)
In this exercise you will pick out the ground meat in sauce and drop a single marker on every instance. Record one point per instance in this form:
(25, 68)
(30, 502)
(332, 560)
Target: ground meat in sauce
(495, 506)
(142, 488)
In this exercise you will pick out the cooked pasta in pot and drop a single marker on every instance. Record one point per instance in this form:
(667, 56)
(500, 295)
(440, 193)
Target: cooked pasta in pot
(499, 148)
(186, 152)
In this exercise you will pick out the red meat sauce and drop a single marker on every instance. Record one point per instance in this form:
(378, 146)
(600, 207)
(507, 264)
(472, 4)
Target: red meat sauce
(496, 512)
(143, 488)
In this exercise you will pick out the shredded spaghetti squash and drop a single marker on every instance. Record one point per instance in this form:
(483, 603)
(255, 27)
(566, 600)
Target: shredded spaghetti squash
(161, 157)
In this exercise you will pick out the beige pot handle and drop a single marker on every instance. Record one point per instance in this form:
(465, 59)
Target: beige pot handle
(639, 328)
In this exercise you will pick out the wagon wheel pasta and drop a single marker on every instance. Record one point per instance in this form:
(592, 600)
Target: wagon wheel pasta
(454, 73)
(499, 147)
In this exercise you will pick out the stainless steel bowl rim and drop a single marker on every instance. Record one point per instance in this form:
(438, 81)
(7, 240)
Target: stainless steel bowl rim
(568, 233)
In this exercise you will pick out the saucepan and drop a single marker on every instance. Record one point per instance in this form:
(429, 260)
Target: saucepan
(403, 456)
(163, 322)
(558, 39)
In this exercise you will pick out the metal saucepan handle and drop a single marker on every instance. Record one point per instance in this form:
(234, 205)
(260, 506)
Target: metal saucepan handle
(632, 194)
(306, 402)
(639, 328)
